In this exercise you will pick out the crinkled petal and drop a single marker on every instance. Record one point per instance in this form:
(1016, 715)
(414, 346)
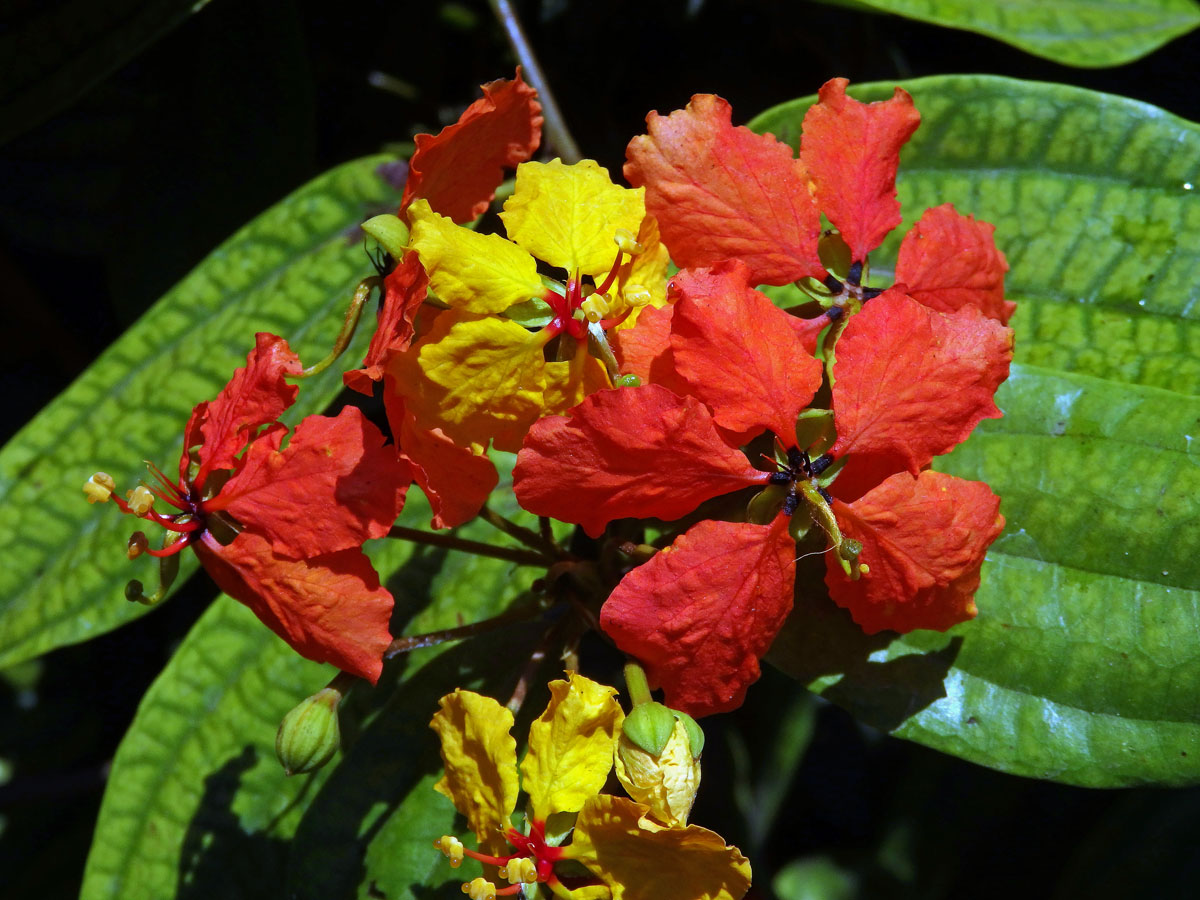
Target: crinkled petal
(333, 487)
(480, 757)
(568, 216)
(720, 192)
(328, 608)
(571, 746)
(739, 352)
(701, 613)
(404, 291)
(458, 169)
(852, 152)
(569, 381)
(256, 395)
(924, 541)
(635, 451)
(948, 261)
(641, 860)
(645, 350)
(911, 383)
(474, 272)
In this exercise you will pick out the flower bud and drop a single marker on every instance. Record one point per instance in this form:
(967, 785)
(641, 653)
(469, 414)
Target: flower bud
(309, 735)
(390, 232)
(666, 781)
(627, 381)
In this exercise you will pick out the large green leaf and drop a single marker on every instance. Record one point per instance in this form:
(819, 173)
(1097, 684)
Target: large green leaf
(1072, 32)
(1084, 663)
(290, 271)
(59, 48)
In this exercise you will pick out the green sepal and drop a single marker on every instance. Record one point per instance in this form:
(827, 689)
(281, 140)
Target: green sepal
(764, 506)
(390, 232)
(694, 732)
(309, 734)
(814, 431)
(649, 726)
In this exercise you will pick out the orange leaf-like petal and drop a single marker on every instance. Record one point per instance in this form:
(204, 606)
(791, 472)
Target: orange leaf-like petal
(635, 451)
(329, 608)
(404, 291)
(948, 261)
(923, 540)
(852, 151)
(255, 395)
(911, 383)
(458, 170)
(333, 487)
(700, 614)
(645, 350)
(720, 192)
(739, 352)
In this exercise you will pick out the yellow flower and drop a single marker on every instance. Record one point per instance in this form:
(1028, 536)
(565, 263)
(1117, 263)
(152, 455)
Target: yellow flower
(570, 755)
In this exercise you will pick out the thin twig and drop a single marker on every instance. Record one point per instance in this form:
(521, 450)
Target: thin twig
(516, 613)
(451, 542)
(558, 134)
(526, 536)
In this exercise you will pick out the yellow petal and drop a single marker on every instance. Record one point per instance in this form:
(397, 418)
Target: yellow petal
(640, 860)
(480, 273)
(649, 268)
(568, 216)
(571, 746)
(568, 382)
(666, 783)
(480, 757)
(486, 378)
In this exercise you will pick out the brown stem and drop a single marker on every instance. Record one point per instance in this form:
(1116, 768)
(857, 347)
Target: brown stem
(349, 325)
(451, 542)
(516, 613)
(526, 536)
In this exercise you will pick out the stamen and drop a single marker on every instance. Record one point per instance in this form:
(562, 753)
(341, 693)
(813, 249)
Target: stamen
(99, 487)
(595, 307)
(480, 889)
(452, 848)
(174, 546)
(141, 499)
(637, 295)
(136, 545)
(522, 870)
(612, 274)
(627, 242)
(170, 489)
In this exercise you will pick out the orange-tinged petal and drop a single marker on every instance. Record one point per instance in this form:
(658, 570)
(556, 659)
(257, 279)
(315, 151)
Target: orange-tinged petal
(458, 169)
(568, 215)
(480, 757)
(924, 541)
(852, 152)
(739, 353)
(569, 381)
(720, 192)
(635, 451)
(404, 291)
(645, 350)
(911, 383)
(328, 608)
(474, 272)
(334, 486)
(571, 746)
(948, 261)
(701, 613)
(641, 860)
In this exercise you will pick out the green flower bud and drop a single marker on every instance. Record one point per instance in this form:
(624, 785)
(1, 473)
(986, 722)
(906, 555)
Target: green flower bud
(390, 232)
(627, 381)
(649, 726)
(309, 735)
(666, 781)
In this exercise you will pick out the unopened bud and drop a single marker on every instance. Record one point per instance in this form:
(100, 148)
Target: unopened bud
(649, 726)
(99, 487)
(627, 242)
(390, 232)
(309, 735)
(666, 781)
(141, 498)
(627, 381)
(480, 889)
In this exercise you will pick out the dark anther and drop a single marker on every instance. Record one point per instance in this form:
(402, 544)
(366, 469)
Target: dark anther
(797, 460)
(824, 494)
(871, 293)
(833, 284)
(779, 478)
(791, 503)
(834, 313)
(854, 276)
(820, 464)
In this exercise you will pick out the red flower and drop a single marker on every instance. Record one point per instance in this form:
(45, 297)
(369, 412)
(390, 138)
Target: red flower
(298, 515)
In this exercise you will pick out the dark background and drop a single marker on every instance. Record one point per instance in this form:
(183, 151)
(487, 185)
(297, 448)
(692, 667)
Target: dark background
(112, 200)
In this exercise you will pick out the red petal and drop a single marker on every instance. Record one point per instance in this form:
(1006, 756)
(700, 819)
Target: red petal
(852, 151)
(404, 291)
(645, 350)
(739, 352)
(255, 395)
(458, 170)
(923, 540)
(808, 331)
(333, 487)
(911, 383)
(948, 261)
(639, 451)
(721, 192)
(328, 609)
(700, 614)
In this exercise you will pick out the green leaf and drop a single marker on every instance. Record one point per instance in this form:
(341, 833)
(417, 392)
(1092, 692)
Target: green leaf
(60, 48)
(1084, 663)
(1071, 32)
(290, 271)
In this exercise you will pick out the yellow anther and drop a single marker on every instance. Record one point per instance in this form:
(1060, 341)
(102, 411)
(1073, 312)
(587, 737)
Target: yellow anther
(99, 487)
(520, 870)
(637, 294)
(864, 569)
(480, 889)
(627, 242)
(141, 498)
(452, 847)
(595, 307)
